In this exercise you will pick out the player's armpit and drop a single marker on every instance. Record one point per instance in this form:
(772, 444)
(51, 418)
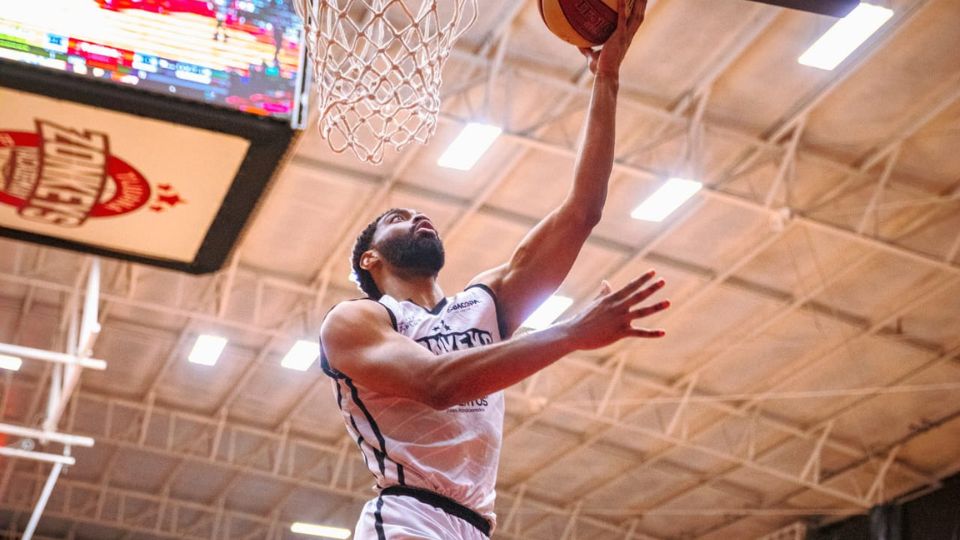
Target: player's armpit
(359, 341)
(539, 264)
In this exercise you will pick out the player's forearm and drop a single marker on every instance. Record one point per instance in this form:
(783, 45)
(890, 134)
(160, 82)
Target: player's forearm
(470, 374)
(595, 161)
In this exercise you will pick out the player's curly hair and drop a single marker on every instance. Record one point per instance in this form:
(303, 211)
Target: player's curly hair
(363, 278)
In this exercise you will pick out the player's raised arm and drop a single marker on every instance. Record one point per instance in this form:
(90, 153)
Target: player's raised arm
(544, 257)
(359, 342)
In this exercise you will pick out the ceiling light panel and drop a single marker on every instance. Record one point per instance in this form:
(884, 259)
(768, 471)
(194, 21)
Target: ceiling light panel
(845, 36)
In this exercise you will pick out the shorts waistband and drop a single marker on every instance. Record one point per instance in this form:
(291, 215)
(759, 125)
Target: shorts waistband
(446, 504)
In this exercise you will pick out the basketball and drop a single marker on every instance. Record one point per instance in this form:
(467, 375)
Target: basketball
(584, 23)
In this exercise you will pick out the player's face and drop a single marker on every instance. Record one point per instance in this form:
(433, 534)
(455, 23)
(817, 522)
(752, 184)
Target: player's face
(409, 241)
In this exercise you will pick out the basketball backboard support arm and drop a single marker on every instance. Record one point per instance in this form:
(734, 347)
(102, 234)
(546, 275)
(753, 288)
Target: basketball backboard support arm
(834, 8)
(83, 329)
(301, 100)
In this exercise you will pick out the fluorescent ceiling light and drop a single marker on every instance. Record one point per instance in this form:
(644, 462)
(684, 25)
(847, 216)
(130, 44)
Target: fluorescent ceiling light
(845, 36)
(666, 199)
(466, 149)
(206, 351)
(548, 312)
(320, 530)
(301, 355)
(10, 362)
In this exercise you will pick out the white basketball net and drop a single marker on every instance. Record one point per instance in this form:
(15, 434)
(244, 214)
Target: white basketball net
(377, 66)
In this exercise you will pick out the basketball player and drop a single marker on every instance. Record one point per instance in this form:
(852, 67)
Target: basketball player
(419, 377)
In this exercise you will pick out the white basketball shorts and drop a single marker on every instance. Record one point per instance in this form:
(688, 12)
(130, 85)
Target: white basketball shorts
(403, 513)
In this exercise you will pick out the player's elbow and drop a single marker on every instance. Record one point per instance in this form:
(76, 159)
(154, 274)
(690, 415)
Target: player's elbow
(438, 397)
(438, 403)
(435, 400)
(437, 391)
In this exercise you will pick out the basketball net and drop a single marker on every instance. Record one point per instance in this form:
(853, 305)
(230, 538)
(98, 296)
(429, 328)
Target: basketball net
(377, 67)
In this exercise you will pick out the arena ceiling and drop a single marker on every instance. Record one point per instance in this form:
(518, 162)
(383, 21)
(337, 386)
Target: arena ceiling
(811, 365)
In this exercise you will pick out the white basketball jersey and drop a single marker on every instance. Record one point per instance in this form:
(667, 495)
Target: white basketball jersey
(454, 452)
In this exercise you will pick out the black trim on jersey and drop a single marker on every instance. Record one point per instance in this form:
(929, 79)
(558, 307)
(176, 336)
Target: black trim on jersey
(328, 369)
(445, 504)
(393, 316)
(378, 519)
(501, 324)
(436, 309)
(359, 442)
(381, 454)
(359, 439)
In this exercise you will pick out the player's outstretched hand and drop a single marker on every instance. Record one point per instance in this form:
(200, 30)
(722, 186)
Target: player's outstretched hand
(609, 318)
(629, 18)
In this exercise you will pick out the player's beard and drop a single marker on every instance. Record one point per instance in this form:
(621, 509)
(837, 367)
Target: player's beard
(418, 254)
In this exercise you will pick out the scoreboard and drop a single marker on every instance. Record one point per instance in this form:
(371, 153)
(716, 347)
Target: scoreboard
(239, 54)
(145, 130)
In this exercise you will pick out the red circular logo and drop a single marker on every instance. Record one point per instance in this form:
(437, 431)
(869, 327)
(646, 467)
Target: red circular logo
(63, 176)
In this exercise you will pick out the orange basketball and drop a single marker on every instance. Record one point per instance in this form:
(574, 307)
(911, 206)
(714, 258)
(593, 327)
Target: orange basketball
(584, 23)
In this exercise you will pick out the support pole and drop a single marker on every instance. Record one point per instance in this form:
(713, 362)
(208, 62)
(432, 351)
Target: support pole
(787, 164)
(612, 385)
(36, 456)
(51, 356)
(30, 433)
(44, 497)
(878, 191)
(89, 330)
(811, 471)
(682, 406)
(876, 490)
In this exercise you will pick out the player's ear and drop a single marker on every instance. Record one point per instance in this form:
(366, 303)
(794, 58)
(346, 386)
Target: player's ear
(369, 259)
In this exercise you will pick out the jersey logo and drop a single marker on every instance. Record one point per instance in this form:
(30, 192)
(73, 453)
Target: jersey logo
(477, 405)
(408, 323)
(462, 305)
(454, 341)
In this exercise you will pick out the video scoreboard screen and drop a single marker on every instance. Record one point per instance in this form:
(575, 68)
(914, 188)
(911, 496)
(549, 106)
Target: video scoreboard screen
(240, 54)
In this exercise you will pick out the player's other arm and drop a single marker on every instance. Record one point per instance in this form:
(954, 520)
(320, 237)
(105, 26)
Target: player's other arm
(545, 256)
(359, 341)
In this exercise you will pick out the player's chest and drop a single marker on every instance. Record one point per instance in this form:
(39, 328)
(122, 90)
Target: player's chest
(446, 332)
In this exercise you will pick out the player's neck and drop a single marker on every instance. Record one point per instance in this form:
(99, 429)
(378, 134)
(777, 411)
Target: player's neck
(422, 290)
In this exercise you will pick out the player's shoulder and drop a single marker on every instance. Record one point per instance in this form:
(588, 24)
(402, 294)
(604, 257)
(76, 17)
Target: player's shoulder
(356, 315)
(489, 280)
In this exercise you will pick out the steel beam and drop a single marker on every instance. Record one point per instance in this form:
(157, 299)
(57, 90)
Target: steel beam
(127, 438)
(749, 403)
(873, 159)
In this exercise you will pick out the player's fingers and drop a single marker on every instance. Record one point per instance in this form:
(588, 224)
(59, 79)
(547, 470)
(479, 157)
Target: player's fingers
(642, 294)
(647, 333)
(649, 310)
(634, 284)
